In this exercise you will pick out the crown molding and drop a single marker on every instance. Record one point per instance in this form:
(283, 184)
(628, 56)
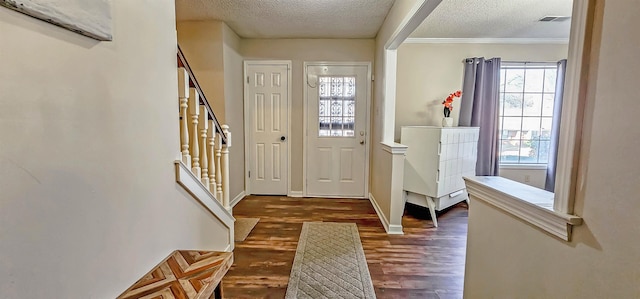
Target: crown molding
(414, 40)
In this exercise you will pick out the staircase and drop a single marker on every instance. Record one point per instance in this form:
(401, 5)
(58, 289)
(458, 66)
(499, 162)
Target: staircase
(202, 169)
(203, 166)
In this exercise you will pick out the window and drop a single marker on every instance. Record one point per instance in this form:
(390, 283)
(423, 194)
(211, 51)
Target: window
(337, 103)
(527, 92)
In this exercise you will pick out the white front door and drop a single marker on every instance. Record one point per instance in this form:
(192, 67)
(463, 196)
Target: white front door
(267, 121)
(337, 129)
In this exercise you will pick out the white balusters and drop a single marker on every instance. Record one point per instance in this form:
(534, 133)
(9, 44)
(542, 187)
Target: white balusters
(211, 149)
(201, 146)
(194, 110)
(218, 168)
(203, 125)
(225, 168)
(183, 95)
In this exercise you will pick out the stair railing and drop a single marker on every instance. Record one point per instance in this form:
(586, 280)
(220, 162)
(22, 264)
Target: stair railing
(204, 143)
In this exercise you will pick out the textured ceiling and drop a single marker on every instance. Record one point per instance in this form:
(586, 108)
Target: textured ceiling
(496, 19)
(291, 18)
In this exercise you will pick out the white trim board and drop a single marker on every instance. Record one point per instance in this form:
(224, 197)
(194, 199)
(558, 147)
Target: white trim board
(194, 186)
(390, 229)
(530, 204)
(237, 199)
(295, 194)
(573, 106)
(420, 40)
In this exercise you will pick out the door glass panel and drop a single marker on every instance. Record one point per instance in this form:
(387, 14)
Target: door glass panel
(337, 104)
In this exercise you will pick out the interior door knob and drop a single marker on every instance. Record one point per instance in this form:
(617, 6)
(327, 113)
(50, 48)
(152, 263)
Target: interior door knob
(361, 141)
(283, 138)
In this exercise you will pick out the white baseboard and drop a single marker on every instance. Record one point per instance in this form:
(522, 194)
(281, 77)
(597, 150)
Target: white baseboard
(295, 194)
(237, 199)
(395, 229)
(392, 229)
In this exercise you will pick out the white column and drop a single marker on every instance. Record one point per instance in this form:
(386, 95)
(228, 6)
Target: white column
(225, 168)
(203, 125)
(194, 110)
(211, 134)
(183, 95)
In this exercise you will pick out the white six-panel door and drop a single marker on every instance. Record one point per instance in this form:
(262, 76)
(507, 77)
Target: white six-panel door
(267, 120)
(336, 129)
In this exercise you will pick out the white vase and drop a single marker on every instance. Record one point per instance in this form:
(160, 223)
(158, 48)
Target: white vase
(447, 121)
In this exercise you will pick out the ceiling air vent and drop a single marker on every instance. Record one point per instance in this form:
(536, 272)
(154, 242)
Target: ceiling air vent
(554, 19)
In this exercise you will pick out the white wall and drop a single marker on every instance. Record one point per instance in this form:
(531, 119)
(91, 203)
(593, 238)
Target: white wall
(299, 51)
(88, 136)
(428, 73)
(507, 258)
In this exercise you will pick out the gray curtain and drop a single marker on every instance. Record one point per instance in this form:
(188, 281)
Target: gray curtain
(555, 127)
(479, 108)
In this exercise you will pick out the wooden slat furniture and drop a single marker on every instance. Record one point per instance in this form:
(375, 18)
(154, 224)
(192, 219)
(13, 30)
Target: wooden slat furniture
(185, 274)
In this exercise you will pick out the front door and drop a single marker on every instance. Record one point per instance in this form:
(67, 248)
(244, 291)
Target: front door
(267, 121)
(336, 129)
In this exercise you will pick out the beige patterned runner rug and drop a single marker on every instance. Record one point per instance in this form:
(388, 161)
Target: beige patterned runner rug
(330, 263)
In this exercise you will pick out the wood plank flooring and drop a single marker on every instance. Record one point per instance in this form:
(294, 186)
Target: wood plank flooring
(425, 262)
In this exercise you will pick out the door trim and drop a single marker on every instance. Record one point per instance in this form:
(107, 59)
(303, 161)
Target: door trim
(248, 137)
(305, 103)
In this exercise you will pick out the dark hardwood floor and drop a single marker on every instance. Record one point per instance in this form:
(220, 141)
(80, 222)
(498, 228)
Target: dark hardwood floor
(425, 262)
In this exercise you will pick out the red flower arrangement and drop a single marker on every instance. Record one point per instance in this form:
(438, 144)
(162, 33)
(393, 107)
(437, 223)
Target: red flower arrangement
(448, 103)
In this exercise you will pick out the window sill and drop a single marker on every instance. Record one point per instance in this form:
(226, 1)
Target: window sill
(527, 203)
(524, 166)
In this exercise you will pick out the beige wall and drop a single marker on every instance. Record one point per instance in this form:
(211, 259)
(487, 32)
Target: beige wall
(88, 136)
(234, 108)
(428, 73)
(212, 50)
(535, 177)
(507, 258)
(299, 51)
(202, 44)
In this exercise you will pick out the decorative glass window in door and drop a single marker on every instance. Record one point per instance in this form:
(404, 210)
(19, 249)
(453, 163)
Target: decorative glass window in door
(337, 104)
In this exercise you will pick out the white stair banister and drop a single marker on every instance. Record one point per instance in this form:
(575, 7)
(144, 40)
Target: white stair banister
(183, 95)
(225, 168)
(211, 149)
(203, 125)
(194, 110)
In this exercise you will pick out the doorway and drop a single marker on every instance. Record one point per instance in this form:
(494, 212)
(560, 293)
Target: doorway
(336, 139)
(267, 117)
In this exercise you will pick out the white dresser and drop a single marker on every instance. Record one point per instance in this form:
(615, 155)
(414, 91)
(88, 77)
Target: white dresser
(436, 161)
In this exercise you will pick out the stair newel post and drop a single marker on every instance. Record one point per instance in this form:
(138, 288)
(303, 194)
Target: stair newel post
(203, 125)
(225, 167)
(219, 168)
(211, 148)
(194, 110)
(183, 95)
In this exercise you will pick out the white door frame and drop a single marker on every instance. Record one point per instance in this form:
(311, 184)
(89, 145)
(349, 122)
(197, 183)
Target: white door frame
(305, 104)
(248, 137)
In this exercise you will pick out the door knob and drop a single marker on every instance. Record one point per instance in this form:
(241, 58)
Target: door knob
(282, 138)
(361, 141)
